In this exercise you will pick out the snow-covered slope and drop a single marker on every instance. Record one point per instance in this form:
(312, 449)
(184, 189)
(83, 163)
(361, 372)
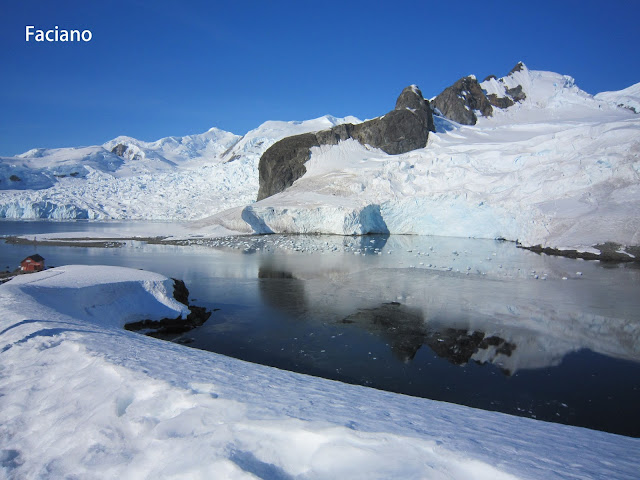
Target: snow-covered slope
(559, 168)
(174, 178)
(81, 397)
(190, 150)
(626, 98)
(255, 142)
(42, 168)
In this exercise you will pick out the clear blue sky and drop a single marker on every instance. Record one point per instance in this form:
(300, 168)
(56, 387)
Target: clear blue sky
(164, 67)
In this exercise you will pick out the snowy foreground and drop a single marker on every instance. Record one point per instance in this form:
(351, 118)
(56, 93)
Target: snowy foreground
(80, 397)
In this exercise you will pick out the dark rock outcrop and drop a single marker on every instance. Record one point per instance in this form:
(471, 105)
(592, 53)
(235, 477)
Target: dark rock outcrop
(460, 101)
(516, 93)
(500, 102)
(180, 291)
(173, 326)
(403, 129)
(513, 96)
(518, 68)
(283, 163)
(463, 99)
(119, 149)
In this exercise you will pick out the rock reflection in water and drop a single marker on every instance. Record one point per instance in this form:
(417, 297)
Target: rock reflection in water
(280, 289)
(400, 326)
(406, 331)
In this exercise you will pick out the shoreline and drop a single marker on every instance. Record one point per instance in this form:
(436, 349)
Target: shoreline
(610, 252)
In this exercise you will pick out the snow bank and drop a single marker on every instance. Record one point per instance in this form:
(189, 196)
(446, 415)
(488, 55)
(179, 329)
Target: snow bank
(79, 396)
(109, 296)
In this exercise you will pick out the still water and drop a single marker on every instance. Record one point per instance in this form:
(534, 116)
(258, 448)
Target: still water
(475, 322)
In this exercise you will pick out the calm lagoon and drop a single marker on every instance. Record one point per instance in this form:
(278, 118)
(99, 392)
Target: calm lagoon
(475, 322)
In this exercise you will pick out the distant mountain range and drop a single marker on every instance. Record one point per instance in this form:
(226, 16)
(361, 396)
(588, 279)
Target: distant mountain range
(528, 157)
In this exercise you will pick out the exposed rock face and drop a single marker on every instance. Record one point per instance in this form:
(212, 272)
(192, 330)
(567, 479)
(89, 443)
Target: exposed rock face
(283, 163)
(519, 67)
(516, 93)
(459, 101)
(119, 149)
(500, 102)
(463, 99)
(403, 129)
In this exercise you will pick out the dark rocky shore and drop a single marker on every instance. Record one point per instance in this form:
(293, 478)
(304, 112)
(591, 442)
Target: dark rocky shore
(173, 326)
(609, 252)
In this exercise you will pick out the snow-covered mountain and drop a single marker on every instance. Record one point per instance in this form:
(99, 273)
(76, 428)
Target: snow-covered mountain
(557, 168)
(541, 162)
(174, 178)
(190, 150)
(42, 168)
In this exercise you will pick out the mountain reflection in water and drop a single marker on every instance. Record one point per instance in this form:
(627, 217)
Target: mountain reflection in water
(406, 330)
(560, 351)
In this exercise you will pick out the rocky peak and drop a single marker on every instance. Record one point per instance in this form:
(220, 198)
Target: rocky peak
(463, 101)
(460, 101)
(411, 98)
(520, 66)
